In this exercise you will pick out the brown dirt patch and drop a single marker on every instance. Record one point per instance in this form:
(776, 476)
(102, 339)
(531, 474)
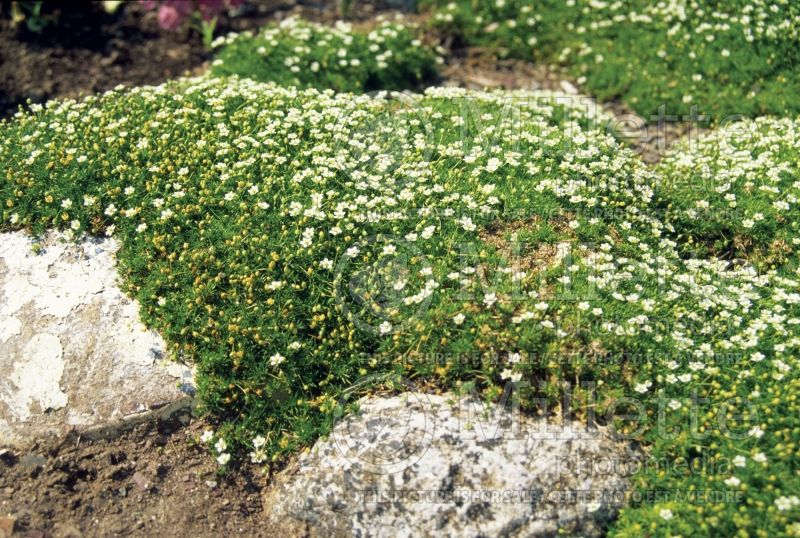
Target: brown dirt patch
(526, 259)
(151, 481)
(90, 51)
(477, 69)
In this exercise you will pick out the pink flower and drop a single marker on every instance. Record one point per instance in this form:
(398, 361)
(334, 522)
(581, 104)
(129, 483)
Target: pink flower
(172, 13)
(169, 18)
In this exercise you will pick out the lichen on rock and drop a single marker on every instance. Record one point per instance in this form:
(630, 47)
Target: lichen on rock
(423, 465)
(73, 353)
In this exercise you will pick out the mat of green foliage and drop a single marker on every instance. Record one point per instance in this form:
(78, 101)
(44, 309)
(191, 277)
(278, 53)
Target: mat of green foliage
(736, 57)
(297, 244)
(310, 55)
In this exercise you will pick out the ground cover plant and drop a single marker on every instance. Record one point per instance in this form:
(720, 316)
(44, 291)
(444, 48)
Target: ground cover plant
(310, 55)
(295, 244)
(727, 58)
(734, 192)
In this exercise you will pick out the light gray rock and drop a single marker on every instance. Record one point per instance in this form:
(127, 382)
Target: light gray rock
(73, 354)
(432, 465)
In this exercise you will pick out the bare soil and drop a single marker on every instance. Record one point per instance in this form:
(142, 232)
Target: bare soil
(88, 50)
(151, 481)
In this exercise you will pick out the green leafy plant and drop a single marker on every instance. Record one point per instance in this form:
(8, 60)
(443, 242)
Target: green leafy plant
(731, 58)
(293, 243)
(31, 14)
(734, 193)
(305, 54)
(344, 7)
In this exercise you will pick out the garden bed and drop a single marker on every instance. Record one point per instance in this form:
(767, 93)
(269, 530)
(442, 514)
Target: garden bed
(303, 248)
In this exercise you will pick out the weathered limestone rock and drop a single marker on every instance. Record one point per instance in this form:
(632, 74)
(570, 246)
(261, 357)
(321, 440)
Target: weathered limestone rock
(427, 465)
(73, 353)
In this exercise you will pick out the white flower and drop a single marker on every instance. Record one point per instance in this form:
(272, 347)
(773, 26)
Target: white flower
(509, 374)
(325, 263)
(207, 436)
(665, 514)
(643, 387)
(308, 237)
(427, 233)
(258, 456)
(389, 249)
(760, 457)
(467, 224)
(276, 359)
(223, 458)
(385, 328)
(221, 445)
(489, 299)
(674, 405)
(756, 432)
(459, 318)
(253, 189)
(786, 503)
(732, 481)
(66, 203)
(259, 442)
(740, 461)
